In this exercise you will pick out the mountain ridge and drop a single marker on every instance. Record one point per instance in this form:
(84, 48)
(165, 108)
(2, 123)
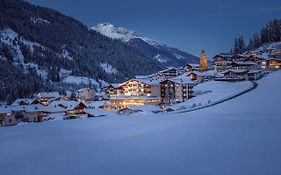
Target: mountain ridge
(165, 55)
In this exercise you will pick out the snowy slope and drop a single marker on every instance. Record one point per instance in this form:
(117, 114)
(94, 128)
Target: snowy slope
(241, 136)
(165, 55)
(120, 33)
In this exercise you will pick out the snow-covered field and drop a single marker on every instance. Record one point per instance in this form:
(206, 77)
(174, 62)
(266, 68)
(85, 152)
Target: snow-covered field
(240, 136)
(211, 92)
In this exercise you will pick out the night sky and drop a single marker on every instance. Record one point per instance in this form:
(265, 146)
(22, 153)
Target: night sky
(190, 25)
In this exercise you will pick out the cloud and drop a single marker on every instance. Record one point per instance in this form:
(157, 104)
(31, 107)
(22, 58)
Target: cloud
(269, 9)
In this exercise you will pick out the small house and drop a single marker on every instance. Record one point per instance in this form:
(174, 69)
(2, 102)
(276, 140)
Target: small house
(86, 94)
(46, 97)
(7, 118)
(254, 75)
(235, 75)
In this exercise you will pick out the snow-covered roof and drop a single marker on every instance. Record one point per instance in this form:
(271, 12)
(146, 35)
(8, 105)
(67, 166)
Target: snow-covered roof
(85, 89)
(245, 63)
(168, 69)
(181, 79)
(224, 55)
(37, 108)
(254, 71)
(48, 94)
(5, 109)
(115, 85)
(192, 65)
(208, 73)
(95, 112)
(236, 71)
(26, 100)
(144, 81)
(69, 105)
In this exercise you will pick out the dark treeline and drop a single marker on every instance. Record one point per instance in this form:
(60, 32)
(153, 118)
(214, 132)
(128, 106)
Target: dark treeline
(271, 32)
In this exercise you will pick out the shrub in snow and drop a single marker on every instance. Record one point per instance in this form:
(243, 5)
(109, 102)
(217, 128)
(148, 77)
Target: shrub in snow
(193, 105)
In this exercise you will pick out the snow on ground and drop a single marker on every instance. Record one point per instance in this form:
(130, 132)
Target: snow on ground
(108, 68)
(79, 80)
(160, 59)
(240, 136)
(211, 92)
(120, 33)
(65, 54)
(37, 20)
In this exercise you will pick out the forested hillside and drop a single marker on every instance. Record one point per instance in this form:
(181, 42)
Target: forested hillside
(41, 46)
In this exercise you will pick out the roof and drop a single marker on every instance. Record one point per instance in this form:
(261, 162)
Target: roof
(245, 63)
(224, 55)
(208, 73)
(181, 79)
(144, 81)
(5, 110)
(69, 105)
(95, 112)
(236, 71)
(48, 94)
(165, 70)
(26, 100)
(37, 108)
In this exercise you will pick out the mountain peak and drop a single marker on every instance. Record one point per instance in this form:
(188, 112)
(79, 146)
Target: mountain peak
(123, 34)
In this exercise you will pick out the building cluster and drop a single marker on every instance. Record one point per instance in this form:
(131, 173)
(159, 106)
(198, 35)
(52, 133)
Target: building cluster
(43, 105)
(248, 66)
(173, 85)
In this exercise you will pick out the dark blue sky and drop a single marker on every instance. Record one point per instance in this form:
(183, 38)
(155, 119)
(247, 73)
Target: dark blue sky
(190, 25)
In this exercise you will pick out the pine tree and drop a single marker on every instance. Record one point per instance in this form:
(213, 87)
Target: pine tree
(256, 41)
(203, 64)
(250, 45)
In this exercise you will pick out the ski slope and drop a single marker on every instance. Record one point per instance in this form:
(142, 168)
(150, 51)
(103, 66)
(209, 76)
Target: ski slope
(240, 136)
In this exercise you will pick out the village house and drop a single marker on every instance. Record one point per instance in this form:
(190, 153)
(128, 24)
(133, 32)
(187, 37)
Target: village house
(7, 117)
(113, 90)
(171, 72)
(47, 97)
(141, 87)
(234, 75)
(134, 92)
(254, 75)
(244, 65)
(191, 67)
(201, 76)
(175, 90)
(70, 107)
(222, 62)
(24, 102)
(271, 63)
(86, 94)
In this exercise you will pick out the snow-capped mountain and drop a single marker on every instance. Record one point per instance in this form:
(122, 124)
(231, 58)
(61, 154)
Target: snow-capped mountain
(166, 56)
(121, 33)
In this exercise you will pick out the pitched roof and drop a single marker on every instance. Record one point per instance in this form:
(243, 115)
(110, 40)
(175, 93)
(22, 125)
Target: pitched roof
(26, 100)
(5, 110)
(68, 105)
(236, 71)
(48, 94)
